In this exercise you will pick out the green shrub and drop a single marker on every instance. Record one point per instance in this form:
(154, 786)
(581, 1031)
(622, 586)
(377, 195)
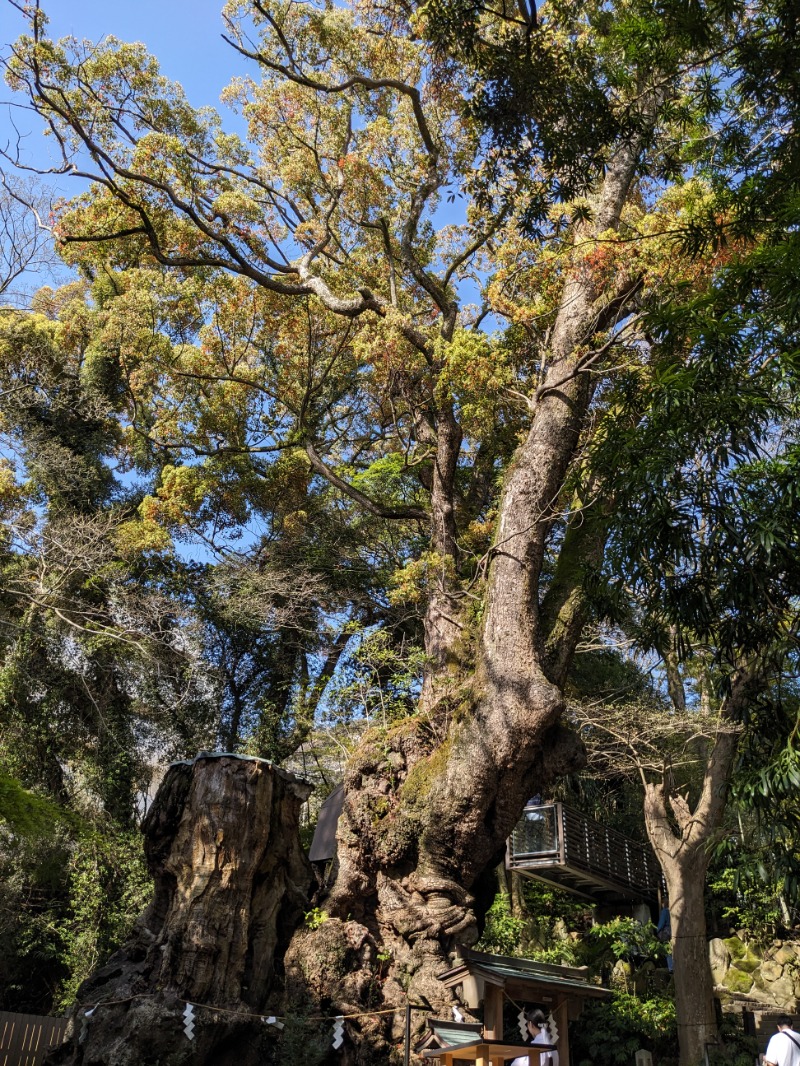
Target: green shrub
(621, 938)
(736, 1048)
(747, 903)
(546, 904)
(109, 887)
(503, 932)
(34, 911)
(612, 1031)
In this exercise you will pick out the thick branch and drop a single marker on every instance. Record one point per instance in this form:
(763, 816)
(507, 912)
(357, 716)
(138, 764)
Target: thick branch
(564, 610)
(711, 803)
(377, 509)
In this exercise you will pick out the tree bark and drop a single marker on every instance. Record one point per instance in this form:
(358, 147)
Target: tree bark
(428, 805)
(231, 881)
(684, 867)
(681, 836)
(443, 629)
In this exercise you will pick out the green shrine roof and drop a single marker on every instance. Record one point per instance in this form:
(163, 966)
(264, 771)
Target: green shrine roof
(452, 1034)
(500, 968)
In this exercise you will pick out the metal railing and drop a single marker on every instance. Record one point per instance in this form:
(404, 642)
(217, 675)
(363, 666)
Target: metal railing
(538, 834)
(556, 835)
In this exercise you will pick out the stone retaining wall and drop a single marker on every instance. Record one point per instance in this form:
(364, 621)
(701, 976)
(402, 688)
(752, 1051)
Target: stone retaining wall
(759, 976)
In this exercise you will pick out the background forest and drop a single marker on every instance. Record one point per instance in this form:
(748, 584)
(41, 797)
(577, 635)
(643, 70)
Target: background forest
(432, 427)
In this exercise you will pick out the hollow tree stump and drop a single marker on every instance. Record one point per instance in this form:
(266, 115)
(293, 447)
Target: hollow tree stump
(231, 883)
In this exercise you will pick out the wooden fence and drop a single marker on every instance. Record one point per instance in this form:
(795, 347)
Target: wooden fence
(26, 1038)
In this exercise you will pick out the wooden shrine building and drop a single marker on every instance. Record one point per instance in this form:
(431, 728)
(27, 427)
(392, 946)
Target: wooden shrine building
(453, 1043)
(485, 983)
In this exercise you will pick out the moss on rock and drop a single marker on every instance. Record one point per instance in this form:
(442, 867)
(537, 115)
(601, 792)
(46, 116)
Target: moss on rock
(736, 949)
(737, 980)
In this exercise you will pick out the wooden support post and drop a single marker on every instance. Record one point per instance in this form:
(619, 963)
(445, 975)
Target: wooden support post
(561, 1015)
(493, 1012)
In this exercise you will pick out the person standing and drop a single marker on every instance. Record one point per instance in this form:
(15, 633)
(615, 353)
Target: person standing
(664, 932)
(784, 1047)
(538, 1033)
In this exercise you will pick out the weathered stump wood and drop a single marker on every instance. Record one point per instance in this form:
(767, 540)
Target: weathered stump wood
(231, 884)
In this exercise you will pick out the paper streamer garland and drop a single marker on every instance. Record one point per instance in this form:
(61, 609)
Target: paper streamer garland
(523, 1025)
(188, 1021)
(85, 1024)
(338, 1033)
(552, 1028)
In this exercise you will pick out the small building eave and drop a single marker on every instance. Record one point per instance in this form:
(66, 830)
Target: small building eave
(544, 978)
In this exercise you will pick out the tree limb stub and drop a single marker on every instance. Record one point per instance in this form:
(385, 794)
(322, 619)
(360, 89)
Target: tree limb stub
(231, 881)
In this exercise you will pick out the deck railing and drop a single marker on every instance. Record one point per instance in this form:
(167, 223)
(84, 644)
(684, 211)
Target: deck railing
(553, 834)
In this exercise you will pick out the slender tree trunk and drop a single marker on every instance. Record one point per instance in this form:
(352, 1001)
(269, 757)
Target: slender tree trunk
(231, 740)
(684, 866)
(677, 693)
(518, 908)
(681, 836)
(694, 987)
(443, 627)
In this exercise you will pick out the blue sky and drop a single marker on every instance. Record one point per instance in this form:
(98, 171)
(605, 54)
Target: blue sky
(184, 35)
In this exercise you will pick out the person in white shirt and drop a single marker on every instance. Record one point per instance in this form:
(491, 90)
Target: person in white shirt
(539, 1034)
(784, 1047)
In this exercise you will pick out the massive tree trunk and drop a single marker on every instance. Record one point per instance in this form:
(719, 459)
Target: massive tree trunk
(231, 881)
(429, 805)
(681, 837)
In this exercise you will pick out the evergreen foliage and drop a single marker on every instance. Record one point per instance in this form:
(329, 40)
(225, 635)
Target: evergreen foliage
(261, 460)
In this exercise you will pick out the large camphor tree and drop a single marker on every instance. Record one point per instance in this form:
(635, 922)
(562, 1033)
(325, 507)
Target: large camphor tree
(516, 455)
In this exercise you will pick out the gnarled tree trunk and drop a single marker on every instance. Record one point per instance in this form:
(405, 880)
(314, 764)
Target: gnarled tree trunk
(231, 883)
(428, 806)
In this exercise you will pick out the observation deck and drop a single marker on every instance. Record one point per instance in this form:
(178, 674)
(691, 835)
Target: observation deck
(562, 847)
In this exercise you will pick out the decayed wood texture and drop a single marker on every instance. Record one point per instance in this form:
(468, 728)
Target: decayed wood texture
(231, 879)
